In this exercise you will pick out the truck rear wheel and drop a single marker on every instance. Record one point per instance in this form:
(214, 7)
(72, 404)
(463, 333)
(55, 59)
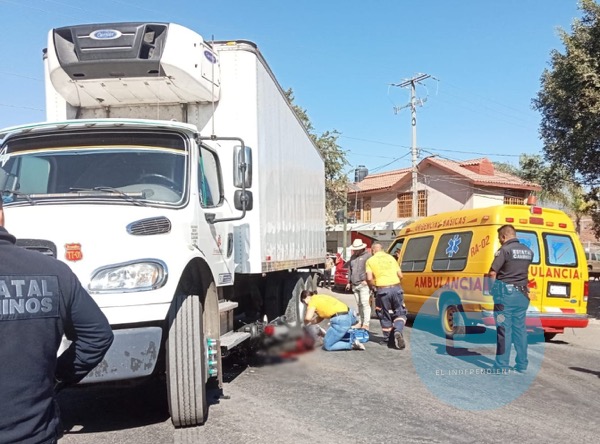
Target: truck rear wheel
(312, 281)
(294, 309)
(186, 362)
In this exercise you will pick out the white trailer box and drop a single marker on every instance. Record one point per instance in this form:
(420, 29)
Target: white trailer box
(236, 94)
(175, 179)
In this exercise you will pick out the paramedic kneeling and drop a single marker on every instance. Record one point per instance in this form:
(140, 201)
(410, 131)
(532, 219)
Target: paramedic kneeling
(384, 273)
(509, 276)
(341, 318)
(41, 299)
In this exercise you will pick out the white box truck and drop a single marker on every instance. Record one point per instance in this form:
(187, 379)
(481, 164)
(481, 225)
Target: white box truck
(175, 179)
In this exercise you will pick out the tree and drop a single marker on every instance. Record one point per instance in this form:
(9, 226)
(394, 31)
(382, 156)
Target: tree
(336, 182)
(559, 186)
(534, 169)
(569, 102)
(569, 99)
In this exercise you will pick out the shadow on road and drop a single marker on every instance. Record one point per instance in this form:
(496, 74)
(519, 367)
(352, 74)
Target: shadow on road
(112, 407)
(100, 408)
(234, 366)
(585, 370)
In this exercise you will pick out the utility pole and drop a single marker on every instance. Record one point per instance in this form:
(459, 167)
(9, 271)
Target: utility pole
(415, 155)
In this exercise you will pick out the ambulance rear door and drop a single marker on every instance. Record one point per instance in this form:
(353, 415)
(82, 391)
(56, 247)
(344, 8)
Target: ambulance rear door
(563, 280)
(532, 240)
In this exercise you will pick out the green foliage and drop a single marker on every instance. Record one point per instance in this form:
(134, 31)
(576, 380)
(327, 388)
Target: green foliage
(569, 99)
(559, 186)
(507, 168)
(569, 102)
(336, 182)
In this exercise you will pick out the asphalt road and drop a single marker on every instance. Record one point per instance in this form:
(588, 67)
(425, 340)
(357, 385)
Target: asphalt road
(418, 395)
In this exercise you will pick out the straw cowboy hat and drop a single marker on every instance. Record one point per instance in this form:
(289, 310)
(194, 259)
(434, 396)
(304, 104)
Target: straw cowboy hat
(358, 245)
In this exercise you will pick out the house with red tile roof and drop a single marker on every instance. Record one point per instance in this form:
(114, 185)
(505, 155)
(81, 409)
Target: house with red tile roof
(382, 202)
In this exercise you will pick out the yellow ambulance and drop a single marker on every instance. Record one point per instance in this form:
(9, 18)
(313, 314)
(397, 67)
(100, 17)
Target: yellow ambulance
(445, 260)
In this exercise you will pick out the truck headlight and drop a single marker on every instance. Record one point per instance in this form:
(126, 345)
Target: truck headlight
(132, 276)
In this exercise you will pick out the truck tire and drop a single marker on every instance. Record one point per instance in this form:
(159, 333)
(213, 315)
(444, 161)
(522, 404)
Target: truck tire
(312, 281)
(549, 336)
(294, 309)
(452, 321)
(186, 362)
(273, 296)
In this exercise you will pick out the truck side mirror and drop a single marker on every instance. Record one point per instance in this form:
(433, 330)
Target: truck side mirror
(241, 197)
(242, 167)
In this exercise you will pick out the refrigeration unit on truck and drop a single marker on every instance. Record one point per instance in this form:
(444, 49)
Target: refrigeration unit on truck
(175, 179)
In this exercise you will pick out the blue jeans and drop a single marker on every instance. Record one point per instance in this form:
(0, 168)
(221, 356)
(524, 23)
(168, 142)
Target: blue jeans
(509, 312)
(338, 327)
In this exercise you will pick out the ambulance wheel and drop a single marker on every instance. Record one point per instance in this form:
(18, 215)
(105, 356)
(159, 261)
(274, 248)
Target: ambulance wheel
(452, 321)
(549, 336)
(186, 362)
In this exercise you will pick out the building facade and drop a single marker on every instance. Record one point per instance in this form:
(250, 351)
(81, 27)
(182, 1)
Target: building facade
(380, 204)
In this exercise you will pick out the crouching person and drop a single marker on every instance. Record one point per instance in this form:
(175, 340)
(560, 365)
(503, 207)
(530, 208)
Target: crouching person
(341, 319)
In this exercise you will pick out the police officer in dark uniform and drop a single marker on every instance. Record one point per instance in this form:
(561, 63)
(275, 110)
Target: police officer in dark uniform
(40, 300)
(509, 274)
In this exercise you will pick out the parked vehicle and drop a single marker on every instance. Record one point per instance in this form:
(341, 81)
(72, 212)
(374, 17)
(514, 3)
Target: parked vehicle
(175, 179)
(340, 278)
(593, 264)
(447, 257)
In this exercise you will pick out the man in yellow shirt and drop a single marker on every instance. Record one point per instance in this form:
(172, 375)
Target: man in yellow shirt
(383, 272)
(341, 319)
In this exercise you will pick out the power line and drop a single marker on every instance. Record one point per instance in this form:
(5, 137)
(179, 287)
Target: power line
(488, 99)
(6, 105)
(22, 76)
(427, 150)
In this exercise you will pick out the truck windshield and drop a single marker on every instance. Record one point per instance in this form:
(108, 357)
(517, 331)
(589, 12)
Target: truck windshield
(140, 171)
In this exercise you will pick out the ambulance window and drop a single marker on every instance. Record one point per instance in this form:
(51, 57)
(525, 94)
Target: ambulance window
(452, 251)
(415, 253)
(530, 240)
(396, 248)
(559, 250)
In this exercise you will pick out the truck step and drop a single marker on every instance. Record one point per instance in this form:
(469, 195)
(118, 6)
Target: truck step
(227, 306)
(233, 338)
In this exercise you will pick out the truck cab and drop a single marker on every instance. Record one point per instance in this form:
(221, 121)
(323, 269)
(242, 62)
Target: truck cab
(142, 180)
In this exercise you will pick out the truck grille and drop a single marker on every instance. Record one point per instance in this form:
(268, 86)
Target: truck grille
(147, 227)
(45, 247)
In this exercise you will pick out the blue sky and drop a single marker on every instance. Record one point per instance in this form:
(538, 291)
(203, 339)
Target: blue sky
(340, 58)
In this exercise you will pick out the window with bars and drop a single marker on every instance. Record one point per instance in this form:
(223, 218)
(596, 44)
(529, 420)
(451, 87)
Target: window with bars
(405, 204)
(514, 197)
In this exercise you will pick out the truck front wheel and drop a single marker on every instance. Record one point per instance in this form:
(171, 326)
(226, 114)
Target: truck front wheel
(186, 362)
